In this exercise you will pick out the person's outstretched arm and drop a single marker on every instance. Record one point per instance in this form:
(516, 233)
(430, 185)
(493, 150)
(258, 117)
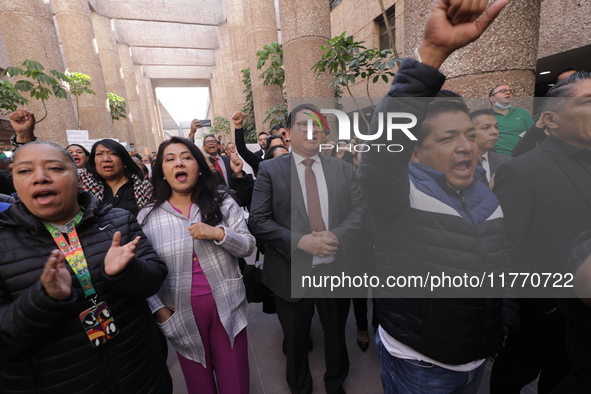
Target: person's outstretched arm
(248, 156)
(23, 122)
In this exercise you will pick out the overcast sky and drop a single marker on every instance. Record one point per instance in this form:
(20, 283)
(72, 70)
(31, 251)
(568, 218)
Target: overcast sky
(184, 104)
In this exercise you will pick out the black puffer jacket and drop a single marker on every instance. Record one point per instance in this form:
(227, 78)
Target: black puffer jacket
(43, 346)
(424, 228)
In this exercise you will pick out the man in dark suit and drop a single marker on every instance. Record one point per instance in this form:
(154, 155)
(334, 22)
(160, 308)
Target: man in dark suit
(307, 209)
(546, 197)
(487, 134)
(262, 140)
(229, 171)
(222, 164)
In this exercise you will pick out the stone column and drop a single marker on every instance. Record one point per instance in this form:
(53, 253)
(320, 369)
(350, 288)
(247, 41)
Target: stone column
(156, 125)
(139, 78)
(158, 117)
(114, 83)
(505, 54)
(218, 83)
(305, 25)
(238, 59)
(133, 105)
(261, 29)
(29, 33)
(77, 37)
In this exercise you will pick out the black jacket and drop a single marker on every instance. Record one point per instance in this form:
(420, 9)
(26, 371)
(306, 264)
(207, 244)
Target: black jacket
(43, 346)
(421, 226)
(546, 196)
(252, 158)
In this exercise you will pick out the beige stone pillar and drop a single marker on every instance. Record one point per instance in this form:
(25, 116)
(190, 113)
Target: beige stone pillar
(80, 48)
(113, 75)
(29, 33)
(156, 125)
(505, 54)
(261, 29)
(305, 25)
(134, 107)
(230, 58)
(227, 85)
(140, 80)
(159, 117)
(239, 59)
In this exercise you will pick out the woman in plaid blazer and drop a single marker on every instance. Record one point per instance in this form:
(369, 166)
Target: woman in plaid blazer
(199, 232)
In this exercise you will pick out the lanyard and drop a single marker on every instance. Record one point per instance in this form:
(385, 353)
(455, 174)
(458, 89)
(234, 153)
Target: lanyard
(74, 254)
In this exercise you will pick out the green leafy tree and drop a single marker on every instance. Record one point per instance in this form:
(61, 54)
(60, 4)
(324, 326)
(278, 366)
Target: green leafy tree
(118, 106)
(347, 60)
(79, 84)
(277, 115)
(271, 57)
(221, 125)
(249, 124)
(10, 98)
(41, 85)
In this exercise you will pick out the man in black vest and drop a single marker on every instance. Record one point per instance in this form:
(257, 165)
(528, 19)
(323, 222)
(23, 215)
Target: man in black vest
(546, 197)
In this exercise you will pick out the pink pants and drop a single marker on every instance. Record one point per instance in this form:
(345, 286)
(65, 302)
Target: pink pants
(230, 363)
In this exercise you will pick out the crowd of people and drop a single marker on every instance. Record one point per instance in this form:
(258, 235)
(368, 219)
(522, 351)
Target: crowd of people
(105, 255)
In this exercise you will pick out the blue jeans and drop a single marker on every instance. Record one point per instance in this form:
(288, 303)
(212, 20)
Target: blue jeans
(400, 376)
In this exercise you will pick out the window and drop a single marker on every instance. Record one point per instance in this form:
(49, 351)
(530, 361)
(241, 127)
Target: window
(384, 37)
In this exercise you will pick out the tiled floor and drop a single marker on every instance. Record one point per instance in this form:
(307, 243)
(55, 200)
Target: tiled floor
(267, 362)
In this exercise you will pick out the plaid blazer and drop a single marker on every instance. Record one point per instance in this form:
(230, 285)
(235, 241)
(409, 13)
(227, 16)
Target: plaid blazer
(168, 231)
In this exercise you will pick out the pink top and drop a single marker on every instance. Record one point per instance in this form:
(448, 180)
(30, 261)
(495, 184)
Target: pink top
(200, 285)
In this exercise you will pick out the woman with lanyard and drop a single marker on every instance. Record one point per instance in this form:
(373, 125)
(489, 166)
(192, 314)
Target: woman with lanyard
(199, 231)
(74, 276)
(113, 177)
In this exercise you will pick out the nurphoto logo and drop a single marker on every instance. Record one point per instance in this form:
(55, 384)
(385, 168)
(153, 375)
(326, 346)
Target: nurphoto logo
(391, 120)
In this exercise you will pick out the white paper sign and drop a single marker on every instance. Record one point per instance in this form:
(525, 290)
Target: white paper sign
(77, 136)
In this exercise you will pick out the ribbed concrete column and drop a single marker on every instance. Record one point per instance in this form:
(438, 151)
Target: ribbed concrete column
(261, 29)
(222, 74)
(505, 54)
(159, 117)
(113, 75)
(133, 105)
(239, 59)
(305, 25)
(156, 125)
(29, 33)
(218, 85)
(77, 37)
(139, 78)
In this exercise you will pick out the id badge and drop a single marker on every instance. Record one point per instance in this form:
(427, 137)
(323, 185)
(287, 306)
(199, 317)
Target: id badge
(99, 324)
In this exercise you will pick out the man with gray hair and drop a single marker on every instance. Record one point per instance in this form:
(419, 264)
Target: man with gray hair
(546, 197)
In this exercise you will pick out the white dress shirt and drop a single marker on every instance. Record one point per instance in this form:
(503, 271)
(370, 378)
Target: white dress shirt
(322, 194)
(486, 165)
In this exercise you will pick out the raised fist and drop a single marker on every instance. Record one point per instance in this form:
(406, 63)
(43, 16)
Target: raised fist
(238, 119)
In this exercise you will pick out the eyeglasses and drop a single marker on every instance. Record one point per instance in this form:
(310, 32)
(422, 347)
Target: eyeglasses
(303, 126)
(146, 161)
(503, 91)
(210, 141)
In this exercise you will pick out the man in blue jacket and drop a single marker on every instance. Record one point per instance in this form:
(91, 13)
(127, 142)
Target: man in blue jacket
(434, 215)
